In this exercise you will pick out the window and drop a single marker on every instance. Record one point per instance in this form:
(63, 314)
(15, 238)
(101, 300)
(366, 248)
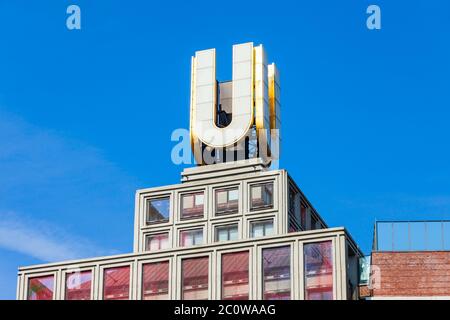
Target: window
(261, 196)
(318, 260)
(192, 205)
(195, 278)
(303, 210)
(227, 233)
(235, 276)
(41, 288)
(277, 273)
(314, 223)
(261, 228)
(158, 210)
(116, 283)
(227, 201)
(191, 237)
(157, 242)
(155, 283)
(294, 210)
(78, 285)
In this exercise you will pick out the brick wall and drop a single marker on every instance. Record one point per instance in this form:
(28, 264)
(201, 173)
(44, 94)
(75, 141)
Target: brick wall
(424, 273)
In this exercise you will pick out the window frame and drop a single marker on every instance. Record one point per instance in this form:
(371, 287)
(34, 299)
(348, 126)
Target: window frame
(262, 220)
(223, 226)
(66, 272)
(157, 233)
(147, 201)
(219, 255)
(302, 274)
(140, 282)
(227, 189)
(261, 183)
(292, 275)
(179, 295)
(40, 275)
(129, 264)
(192, 193)
(180, 231)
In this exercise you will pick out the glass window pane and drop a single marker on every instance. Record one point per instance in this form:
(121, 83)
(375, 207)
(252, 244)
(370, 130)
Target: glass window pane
(157, 242)
(257, 229)
(41, 288)
(78, 285)
(303, 215)
(188, 202)
(191, 237)
(233, 233)
(199, 200)
(116, 283)
(277, 273)
(198, 237)
(268, 228)
(233, 195)
(158, 209)
(195, 278)
(261, 228)
(261, 196)
(155, 283)
(222, 234)
(221, 197)
(256, 193)
(235, 276)
(227, 201)
(192, 205)
(226, 233)
(318, 259)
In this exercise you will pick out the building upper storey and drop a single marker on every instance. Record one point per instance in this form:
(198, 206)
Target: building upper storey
(221, 202)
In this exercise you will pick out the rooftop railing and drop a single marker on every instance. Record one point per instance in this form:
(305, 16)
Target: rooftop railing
(412, 236)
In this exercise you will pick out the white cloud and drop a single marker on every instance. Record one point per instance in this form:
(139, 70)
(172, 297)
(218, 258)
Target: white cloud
(43, 241)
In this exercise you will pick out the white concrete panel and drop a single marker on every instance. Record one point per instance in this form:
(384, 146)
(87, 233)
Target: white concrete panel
(242, 88)
(204, 94)
(205, 58)
(243, 52)
(242, 70)
(206, 112)
(244, 102)
(205, 76)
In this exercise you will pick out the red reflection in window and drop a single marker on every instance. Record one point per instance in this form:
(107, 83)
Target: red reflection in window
(277, 273)
(116, 283)
(235, 276)
(318, 271)
(78, 285)
(155, 283)
(195, 278)
(41, 288)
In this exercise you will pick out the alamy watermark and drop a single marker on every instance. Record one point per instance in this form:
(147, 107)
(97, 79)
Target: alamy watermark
(374, 19)
(73, 21)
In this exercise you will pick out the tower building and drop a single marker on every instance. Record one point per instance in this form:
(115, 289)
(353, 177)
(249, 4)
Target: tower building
(234, 228)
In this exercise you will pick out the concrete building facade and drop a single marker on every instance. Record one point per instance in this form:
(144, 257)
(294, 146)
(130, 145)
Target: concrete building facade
(228, 231)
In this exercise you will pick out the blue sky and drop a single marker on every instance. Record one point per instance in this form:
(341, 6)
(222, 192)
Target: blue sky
(86, 116)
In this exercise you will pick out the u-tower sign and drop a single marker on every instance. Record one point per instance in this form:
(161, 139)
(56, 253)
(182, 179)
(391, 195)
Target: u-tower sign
(238, 119)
